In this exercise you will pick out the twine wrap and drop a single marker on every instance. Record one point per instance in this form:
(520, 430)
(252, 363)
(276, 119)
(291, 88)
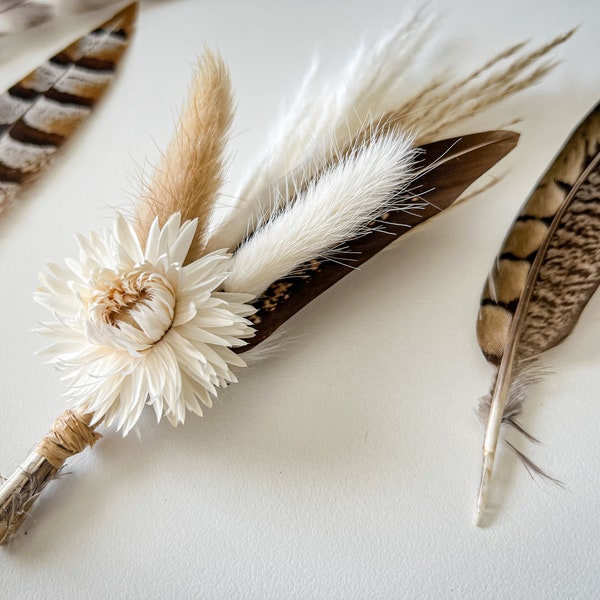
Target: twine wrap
(71, 433)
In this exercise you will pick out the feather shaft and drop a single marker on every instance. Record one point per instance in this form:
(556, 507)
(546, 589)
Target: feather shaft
(492, 431)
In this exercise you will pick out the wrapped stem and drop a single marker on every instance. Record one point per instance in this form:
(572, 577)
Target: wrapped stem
(70, 434)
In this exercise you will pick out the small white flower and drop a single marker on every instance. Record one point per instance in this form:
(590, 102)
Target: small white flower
(135, 327)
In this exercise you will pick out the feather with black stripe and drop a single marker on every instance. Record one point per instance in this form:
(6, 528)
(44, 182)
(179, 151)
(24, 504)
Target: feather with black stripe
(546, 272)
(18, 15)
(39, 113)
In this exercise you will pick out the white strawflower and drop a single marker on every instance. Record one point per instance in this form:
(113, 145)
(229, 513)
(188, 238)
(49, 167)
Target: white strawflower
(135, 327)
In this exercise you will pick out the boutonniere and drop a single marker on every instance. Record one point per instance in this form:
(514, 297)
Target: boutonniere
(156, 312)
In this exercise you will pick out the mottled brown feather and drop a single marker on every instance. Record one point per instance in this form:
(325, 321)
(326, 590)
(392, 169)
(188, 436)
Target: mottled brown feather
(556, 242)
(507, 280)
(569, 270)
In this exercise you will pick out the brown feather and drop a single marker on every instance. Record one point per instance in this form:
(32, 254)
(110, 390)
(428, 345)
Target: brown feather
(39, 113)
(546, 272)
(18, 15)
(447, 168)
(191, 171)
(510, 272)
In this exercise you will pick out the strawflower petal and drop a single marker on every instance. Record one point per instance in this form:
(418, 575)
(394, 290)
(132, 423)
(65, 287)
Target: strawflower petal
(133, 326)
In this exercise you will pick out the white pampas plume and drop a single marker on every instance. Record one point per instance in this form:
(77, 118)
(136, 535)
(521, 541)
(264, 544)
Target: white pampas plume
(333, 208)
(324, 117)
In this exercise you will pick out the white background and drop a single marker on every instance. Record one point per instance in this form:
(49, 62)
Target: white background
(347, 466)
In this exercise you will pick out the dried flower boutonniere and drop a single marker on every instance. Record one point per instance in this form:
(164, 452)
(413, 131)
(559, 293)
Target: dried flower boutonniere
(159, 310)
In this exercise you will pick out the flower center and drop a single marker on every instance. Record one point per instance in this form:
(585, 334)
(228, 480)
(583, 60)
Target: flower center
(138, 307)
(127, 295)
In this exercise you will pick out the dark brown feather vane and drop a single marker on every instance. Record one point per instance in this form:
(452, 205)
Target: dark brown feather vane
(445, 170)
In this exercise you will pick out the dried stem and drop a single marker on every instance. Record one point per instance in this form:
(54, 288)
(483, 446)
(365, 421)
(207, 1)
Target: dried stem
(440, 106)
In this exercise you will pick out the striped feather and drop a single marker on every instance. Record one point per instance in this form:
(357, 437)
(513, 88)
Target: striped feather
(546, 272)
(507, 280)
(39, 113)
(18, 15)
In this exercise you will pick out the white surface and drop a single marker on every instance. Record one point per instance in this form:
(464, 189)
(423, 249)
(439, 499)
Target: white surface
(346, 467)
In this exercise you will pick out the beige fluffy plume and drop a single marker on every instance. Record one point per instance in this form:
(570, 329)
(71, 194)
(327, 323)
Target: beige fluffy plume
(190, 173)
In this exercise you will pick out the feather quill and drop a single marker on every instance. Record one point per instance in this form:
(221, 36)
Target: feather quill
(18, 15)
(39, 113)
(546, 272)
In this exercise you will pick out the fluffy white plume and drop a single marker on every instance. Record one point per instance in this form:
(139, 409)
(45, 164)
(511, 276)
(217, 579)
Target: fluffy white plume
(333, 208)
(324, 118)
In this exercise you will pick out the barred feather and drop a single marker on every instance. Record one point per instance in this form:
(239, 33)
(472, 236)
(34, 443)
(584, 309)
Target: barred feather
(506, 283)
(39, 113)
(546, 272)
(17, 15)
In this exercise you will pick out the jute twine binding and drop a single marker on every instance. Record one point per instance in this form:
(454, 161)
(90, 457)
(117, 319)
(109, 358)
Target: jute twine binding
(71, 433)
